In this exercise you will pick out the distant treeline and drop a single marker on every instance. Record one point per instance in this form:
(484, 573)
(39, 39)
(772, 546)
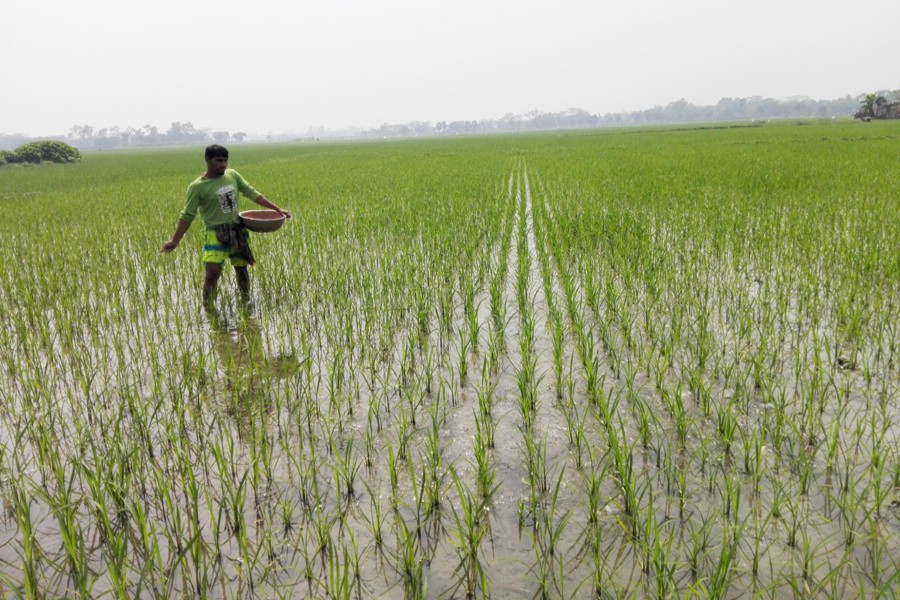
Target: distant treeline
(682, 111)
(86, 137)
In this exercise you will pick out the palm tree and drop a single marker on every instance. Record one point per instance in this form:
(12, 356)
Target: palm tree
(869, 103)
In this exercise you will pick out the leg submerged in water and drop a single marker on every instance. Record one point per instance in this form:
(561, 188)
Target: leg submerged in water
(243, 281)
(210, 284)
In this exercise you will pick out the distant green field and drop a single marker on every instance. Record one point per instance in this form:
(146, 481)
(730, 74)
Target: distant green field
(612, 363)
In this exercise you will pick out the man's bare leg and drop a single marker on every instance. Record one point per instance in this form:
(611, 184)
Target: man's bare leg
(243, 281)
(210, 283)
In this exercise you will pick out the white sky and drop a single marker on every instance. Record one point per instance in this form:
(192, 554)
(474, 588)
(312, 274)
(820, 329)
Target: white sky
(273, 66)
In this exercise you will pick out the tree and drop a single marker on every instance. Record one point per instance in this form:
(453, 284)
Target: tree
(81, 132)
(44, 151)
(868, 104)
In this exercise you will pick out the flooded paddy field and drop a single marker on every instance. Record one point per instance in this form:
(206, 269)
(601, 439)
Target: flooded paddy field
(627, 363)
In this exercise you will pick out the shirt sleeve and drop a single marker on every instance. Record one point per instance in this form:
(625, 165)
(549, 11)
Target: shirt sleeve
(245, 188)
(190, 206)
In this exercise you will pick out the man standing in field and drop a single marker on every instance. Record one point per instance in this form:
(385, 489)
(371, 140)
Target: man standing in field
(214, 196)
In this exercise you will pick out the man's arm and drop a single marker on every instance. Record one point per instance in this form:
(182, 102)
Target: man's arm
(180, 230)
(263, 201)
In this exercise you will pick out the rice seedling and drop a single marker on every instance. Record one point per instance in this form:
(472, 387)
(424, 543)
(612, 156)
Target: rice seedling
(471, 529)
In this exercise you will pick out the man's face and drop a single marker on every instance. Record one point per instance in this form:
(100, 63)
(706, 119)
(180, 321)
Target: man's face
(216, 166)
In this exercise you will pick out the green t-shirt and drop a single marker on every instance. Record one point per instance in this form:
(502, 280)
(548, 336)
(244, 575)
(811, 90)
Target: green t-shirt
(216, 199)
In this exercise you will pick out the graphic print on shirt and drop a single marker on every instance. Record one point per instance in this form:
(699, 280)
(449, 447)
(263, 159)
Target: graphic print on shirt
(227, 198)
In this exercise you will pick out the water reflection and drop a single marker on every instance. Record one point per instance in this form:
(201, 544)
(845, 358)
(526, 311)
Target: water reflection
(250, 372)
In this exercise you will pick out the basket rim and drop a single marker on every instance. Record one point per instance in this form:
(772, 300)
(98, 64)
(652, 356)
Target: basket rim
(261, 215)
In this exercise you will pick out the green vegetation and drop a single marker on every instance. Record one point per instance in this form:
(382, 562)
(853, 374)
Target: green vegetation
(631, 363)
(42, 151)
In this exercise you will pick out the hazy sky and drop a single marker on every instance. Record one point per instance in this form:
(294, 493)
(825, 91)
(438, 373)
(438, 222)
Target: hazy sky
(263, 66)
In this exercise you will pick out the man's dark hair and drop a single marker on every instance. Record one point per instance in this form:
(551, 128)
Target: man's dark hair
(216, 151)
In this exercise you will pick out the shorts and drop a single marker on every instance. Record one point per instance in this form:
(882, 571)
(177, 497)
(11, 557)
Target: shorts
(215, 252)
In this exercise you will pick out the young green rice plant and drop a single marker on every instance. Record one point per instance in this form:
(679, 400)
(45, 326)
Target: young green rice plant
(465, 348)
(602, 580)
(731, 497)
(65, 508)
(700, 389)
(681, 491)
(485, 471)
(474, 329)
(575, 428)
(593, 502)
(445, 308)
(760, 525)
(405, 431)
(557, 334)
(699, 545)
(498, 310)
(339, 578)
(234, 491)
(393, 474)
(494, 351)
(793, 520)
(720, 580)
(528, 324)
(30, 552)
(527, 381)
(535, 467)
(369, 439)
(880, 426)
(538, 469)
(471, 529)
(409, 563)
(626, 478)
(484, 417)
(420, 505)
(376, 518)
(196, 550)
(657, 553)
(429, 370)
(423, 312)
(306, 551)
(322, 528)
(146, 544)
(880, 564)
(308, 480)
(552, 525)
(433, 461)
(675, 402)
(286, 509)
(895, 478)
(727, 425)
(753, 460)
(523, 296)
(346, 469)
(646, 420)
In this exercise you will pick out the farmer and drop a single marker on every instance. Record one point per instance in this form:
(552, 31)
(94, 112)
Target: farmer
(214, 195)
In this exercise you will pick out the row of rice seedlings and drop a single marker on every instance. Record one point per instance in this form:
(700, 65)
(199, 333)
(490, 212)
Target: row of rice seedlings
(595, 473)
(559, 534)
